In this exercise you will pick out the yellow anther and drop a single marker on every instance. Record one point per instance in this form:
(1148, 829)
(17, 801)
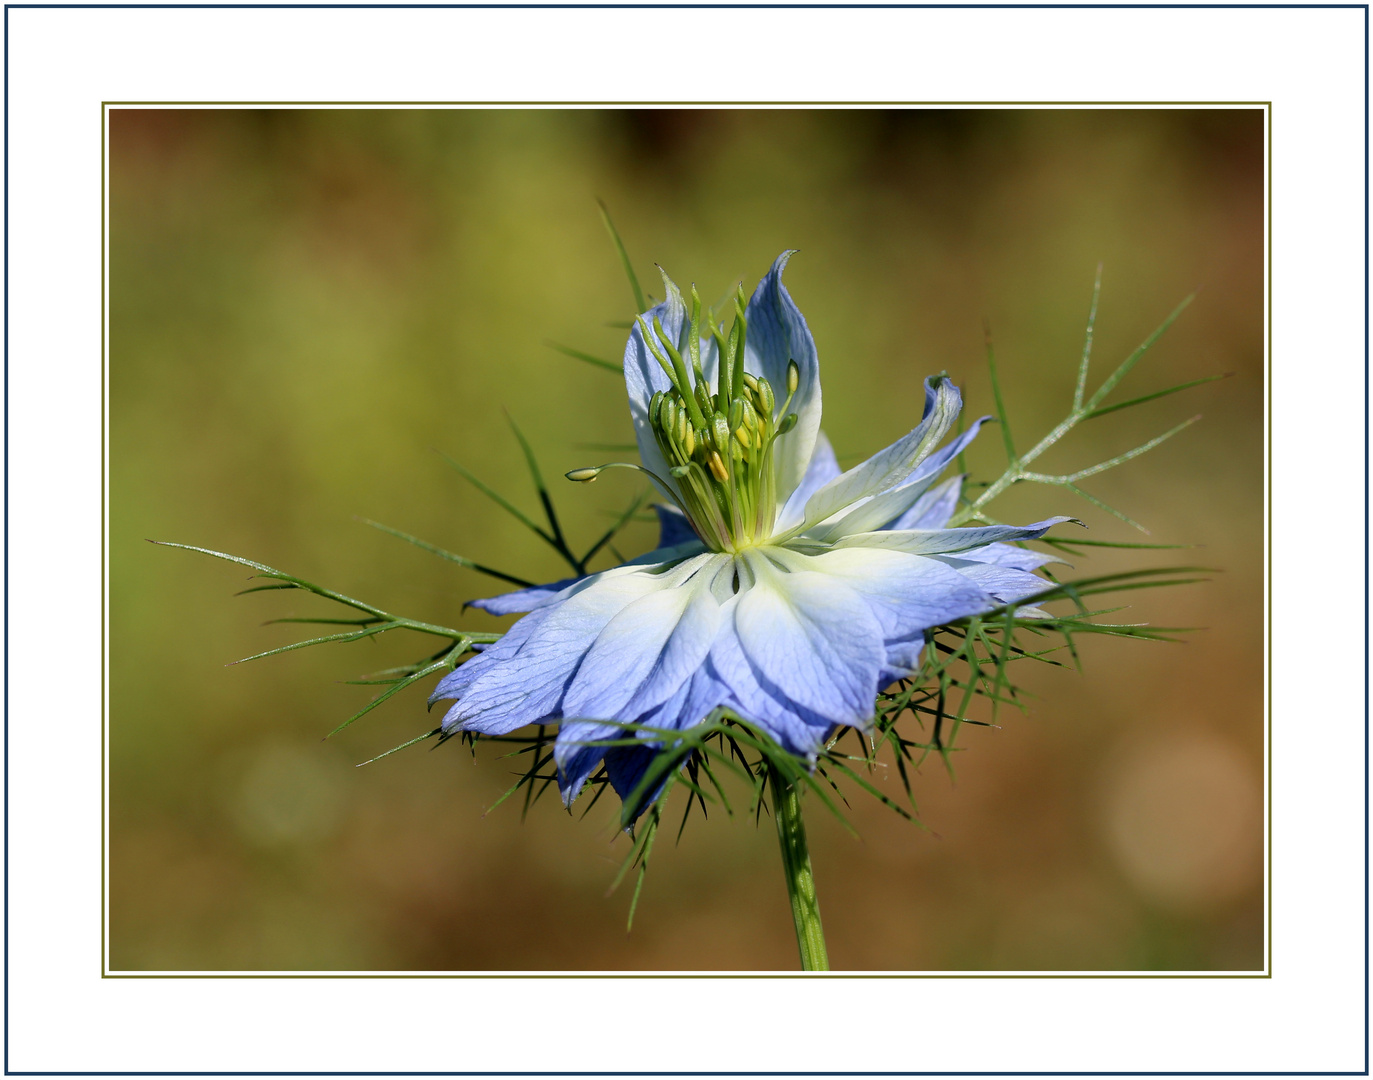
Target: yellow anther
(717, 467)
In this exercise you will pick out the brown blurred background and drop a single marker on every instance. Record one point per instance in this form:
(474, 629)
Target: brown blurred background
(306, 304)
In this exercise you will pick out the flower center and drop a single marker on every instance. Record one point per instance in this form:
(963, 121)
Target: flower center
(718, 440)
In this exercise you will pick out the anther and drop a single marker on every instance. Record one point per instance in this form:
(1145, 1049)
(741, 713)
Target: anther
(717, 467)
(787, 424)
(793, 376)
(720, 431)
(583, 476)
(765, 398)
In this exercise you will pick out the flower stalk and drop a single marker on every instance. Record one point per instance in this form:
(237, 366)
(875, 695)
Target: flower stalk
(805, 906)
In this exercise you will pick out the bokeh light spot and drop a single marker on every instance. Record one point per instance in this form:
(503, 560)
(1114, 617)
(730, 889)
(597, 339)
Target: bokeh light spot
(1184, 819)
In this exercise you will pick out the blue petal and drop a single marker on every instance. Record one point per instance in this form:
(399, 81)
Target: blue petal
(522, 600)
(888, 468)
(1007, 585)
(510, 643)
(777, 335)
(673, 526)
(650, 648)
(1009, 555)
(579, 749)
(626, 765)
(577, 754)
(933, 509)
(823, 468)
(525, 688)
(644, 376)
(793, 727)
(812, 637)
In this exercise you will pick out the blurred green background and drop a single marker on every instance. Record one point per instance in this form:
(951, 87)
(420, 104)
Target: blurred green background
(306, 304)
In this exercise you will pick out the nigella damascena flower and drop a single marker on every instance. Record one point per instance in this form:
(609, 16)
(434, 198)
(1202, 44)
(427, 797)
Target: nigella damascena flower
(782, 589)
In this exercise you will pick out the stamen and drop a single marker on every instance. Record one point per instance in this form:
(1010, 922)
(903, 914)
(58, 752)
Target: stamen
(716, 442)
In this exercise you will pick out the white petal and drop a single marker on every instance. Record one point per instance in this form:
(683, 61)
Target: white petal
(905, 593)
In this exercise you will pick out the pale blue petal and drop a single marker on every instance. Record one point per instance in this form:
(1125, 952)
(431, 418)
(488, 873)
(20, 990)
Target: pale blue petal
(673, 526)
(625, 653)
(1007, 585)
(522, 600)
(878, 511)
(793, 727)
(948, 541)
(937, 462)
(528, 687)
(888, 468)
(692, 702)
(650, 648)
(812, 637)
(1017, 558)
(510, 643)
(777, 335)
(823, 468)
(933, 509)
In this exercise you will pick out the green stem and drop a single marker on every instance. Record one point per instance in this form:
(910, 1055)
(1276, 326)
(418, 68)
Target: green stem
(805, 908)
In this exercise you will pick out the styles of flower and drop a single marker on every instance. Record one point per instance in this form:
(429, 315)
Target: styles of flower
(782, 590)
